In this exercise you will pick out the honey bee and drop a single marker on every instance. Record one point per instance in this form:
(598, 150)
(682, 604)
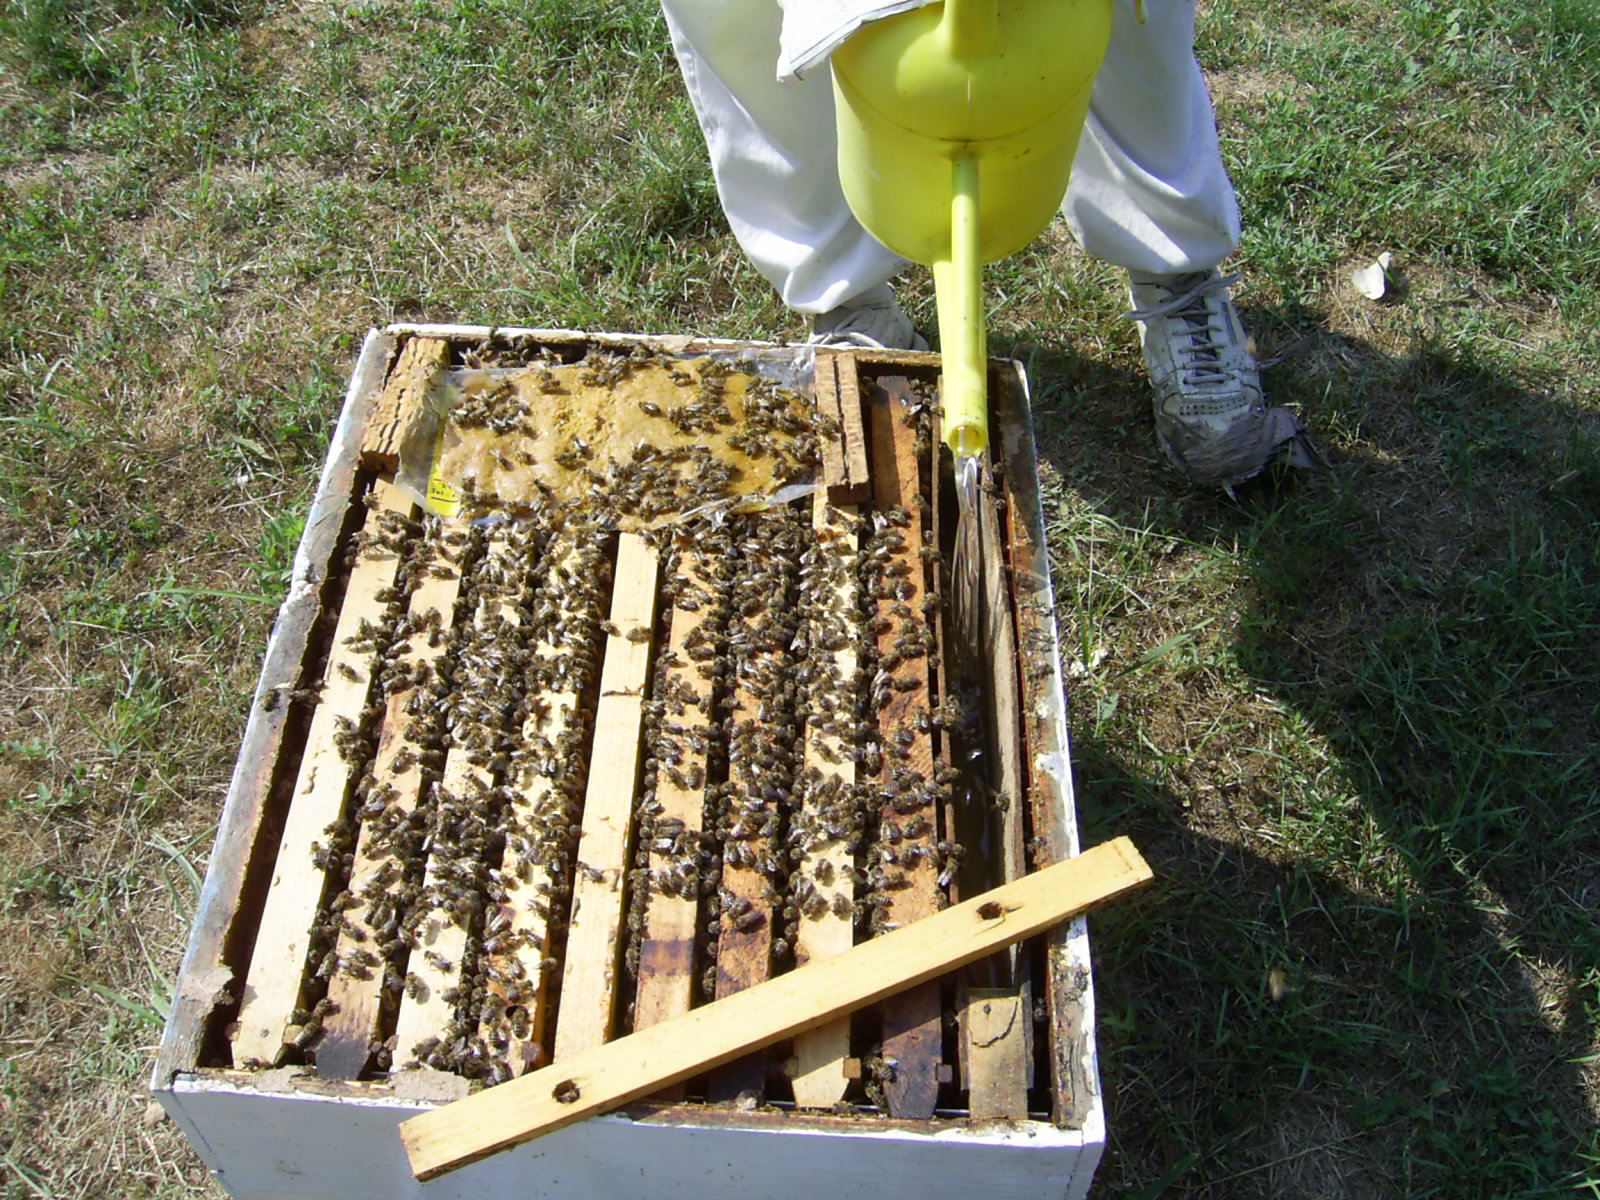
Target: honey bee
(749, 921)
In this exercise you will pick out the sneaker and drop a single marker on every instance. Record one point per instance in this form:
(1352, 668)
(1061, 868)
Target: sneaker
(1210, 416)
(873, 319)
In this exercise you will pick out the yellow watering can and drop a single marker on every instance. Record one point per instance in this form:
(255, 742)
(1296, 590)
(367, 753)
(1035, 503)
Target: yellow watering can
(957, 126)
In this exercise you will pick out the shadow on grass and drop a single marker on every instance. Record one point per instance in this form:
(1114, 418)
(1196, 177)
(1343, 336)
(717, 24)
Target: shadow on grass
(1373, 964)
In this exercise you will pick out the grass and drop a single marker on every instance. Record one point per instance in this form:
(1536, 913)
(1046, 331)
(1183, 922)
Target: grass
(1350, 718)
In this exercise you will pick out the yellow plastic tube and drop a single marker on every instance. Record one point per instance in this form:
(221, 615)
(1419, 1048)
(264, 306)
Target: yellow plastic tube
(958, 290)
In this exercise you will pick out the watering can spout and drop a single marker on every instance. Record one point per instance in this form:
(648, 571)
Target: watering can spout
(970, 27)
(958, 288)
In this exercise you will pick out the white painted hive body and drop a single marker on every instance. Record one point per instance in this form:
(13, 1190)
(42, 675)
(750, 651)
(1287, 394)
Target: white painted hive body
(286, 1098)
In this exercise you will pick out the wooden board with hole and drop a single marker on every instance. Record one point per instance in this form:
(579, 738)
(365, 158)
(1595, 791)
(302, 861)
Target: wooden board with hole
(604, 776)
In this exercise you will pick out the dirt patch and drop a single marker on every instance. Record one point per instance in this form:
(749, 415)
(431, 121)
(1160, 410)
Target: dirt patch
(1250, 87)
(77, 165)
(1313, 1152)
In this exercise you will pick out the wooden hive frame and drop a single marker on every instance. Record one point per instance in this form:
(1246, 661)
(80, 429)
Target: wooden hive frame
(231, 1068)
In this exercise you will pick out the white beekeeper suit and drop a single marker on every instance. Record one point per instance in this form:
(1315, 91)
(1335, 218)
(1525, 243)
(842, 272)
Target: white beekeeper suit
(1149, 191)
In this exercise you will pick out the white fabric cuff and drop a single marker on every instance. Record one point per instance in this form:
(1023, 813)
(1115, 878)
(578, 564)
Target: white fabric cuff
(814, 29)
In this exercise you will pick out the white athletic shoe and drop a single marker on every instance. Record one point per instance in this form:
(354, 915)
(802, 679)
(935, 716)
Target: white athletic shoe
(873, 319)
(1210, 416)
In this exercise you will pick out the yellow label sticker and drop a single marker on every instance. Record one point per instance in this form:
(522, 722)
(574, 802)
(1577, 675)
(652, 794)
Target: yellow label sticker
(443, 498)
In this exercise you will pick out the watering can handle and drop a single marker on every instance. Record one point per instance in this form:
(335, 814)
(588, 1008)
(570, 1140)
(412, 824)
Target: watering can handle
(970, 26)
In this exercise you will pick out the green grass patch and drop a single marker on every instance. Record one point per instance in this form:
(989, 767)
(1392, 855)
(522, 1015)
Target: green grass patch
(1350, 718)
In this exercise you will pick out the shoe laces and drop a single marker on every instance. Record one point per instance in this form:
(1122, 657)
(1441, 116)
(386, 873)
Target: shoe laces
(1205, 363)
(876, 325)
(845, 337)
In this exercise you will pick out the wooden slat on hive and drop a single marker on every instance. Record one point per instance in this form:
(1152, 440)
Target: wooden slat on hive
(824, 376)
(1045, 752)
(534, 861)
(353, 1021)
(857, 471)
(610, 1075)
(999, 1050)
(440, 927)
(828, 863)
(912, 1025)
(997, 636)
(958, 805)
(759, 750)
(590, 976)
(844, 448)
(274, 985)
(667, 944)
(994, 1023)
(403, 394)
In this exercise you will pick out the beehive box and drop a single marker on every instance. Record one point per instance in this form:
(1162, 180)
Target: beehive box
(634, 730)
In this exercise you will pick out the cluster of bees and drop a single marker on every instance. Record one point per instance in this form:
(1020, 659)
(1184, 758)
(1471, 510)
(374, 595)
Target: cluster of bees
(722, 415)
(749, 712)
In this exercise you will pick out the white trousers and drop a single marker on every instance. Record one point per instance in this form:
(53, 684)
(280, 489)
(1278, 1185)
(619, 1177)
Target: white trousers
(1148, 191)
